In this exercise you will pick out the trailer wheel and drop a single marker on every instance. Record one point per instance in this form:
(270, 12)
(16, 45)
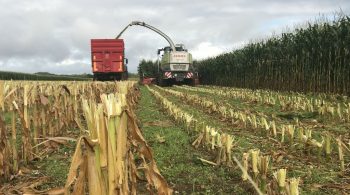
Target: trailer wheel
(125, 76)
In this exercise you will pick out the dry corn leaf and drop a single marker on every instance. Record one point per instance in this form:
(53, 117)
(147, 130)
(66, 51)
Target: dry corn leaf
(75, 183)
(332, 185)
(151, 172)
(4, 151)
(279, 158)
(44, 100)
(207, 161)
(165, 123)
(160, 139)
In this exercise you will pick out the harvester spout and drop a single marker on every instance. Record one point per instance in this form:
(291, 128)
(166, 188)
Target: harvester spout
(166, 37)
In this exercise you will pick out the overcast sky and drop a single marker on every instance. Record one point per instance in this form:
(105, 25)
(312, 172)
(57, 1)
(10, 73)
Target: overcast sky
(54, 35)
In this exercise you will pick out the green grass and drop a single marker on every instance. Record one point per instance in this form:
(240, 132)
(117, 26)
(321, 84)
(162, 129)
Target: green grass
(178, 160)
(56, 166)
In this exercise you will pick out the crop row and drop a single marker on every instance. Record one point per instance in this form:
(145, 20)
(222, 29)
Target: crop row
(285, 133)
(213, 139)
(338, 110)
(110, 149)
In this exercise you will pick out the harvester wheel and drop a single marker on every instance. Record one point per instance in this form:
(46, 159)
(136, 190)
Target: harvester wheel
(162, 82)
(192, 82)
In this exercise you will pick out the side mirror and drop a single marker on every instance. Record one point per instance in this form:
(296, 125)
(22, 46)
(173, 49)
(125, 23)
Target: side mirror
(126, 61)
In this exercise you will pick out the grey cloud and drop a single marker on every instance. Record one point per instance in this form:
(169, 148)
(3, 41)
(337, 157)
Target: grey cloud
(54, 36)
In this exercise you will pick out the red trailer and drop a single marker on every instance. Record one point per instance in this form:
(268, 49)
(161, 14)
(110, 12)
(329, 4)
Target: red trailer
(108, 59)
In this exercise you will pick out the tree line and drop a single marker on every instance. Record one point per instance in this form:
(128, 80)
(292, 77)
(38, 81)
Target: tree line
(5, 75)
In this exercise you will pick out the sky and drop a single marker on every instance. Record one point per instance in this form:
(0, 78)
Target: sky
(54, 35)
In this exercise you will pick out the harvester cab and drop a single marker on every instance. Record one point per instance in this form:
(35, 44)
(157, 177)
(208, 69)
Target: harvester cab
(180, 47)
